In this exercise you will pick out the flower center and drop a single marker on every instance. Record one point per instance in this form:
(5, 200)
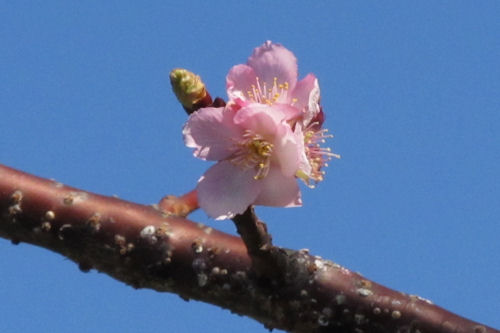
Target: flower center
(253, 152)
(261, 93)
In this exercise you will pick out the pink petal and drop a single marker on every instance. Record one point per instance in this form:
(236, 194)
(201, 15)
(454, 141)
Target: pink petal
(304, 164)
(271, 61)
(307, 94)
(286, 150)
(278, 190)
(260, 119)
(239, 81)
(226, 190)
(290, 112)
(211, 132)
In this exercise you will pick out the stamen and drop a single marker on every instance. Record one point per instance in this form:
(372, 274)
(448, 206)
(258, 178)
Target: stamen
(261, 93)
(253, 152)
(316, 155)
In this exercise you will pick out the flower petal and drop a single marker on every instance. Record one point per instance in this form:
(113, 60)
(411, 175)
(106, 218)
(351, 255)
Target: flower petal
(226, 190)
(211, 131)
(278, 191)
(286, 150)
(271, 61)
(307, 95)
(290, 112)
(304, 169)
(239, 82)
(260, 119)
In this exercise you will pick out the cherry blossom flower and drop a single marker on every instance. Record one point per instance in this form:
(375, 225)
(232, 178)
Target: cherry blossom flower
(267, 136)
(258, 156)
(270, 77)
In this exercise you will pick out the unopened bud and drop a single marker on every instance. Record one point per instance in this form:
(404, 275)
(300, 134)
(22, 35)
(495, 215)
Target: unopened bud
(189, 89)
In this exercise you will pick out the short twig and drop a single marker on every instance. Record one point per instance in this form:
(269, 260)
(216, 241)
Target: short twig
(258, 242)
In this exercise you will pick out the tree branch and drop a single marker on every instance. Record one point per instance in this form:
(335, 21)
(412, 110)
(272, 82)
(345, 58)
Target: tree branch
(145, 248)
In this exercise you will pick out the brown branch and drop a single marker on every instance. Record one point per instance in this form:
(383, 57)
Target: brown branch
(144, 248)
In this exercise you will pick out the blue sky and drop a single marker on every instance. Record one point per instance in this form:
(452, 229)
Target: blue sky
(410, 90)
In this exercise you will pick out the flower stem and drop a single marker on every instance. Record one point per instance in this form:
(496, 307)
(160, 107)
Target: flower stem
(258, 243)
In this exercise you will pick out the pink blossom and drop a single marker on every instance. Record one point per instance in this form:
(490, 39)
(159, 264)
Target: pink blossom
(267, 136)
(258, 156)
(270, 77)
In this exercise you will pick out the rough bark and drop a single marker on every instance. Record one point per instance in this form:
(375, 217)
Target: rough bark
(145, 248)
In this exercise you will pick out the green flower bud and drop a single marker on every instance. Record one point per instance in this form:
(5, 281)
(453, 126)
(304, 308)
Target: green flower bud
(188, 88)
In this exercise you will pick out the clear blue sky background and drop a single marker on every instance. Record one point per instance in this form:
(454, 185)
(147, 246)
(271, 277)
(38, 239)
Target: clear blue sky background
(410, 90)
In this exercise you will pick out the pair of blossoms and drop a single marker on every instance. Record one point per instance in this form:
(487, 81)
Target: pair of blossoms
(265, 138)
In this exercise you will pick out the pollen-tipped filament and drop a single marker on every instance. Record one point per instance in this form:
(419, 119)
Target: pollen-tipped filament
(317, 156)
(253, 152)
(260, 93)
